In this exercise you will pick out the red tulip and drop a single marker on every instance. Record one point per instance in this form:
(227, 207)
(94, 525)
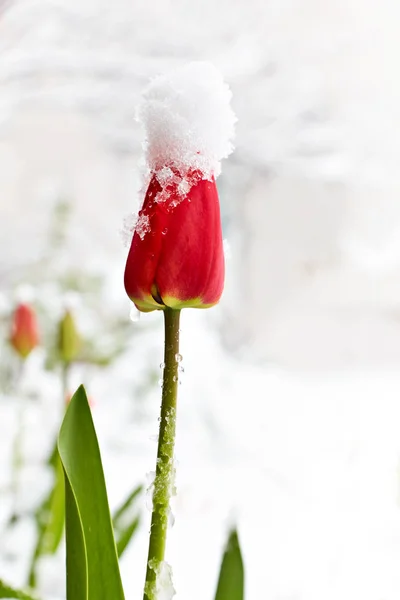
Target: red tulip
(176, 258)
(24, 330)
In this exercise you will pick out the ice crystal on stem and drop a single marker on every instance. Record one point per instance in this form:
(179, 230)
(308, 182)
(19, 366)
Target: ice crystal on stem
(162, 588)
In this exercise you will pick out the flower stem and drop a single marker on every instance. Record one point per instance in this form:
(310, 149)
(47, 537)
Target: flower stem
(165, 471)
(65, 368)
(17, 453)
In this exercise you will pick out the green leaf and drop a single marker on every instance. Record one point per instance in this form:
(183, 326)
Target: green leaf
(7, 592)
(50, 517)
(126, 520)
(126, 535)
(231, 576)
(92, 563)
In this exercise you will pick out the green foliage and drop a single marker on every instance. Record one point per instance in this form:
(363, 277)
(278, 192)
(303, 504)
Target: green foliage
(59, 222)
(8, 592)
(231, 575)
(50, 517)
(126, 535)
(92, 563)
(126, 520)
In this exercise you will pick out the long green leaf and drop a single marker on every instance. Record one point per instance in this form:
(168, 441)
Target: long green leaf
(126, 535)
(120, 513)
(126, 520)
(50, 517)
(92, 563)
(8, 592)
(231, 576)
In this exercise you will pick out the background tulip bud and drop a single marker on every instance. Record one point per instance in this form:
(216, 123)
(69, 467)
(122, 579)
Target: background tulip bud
(69, 341)
(24, 330)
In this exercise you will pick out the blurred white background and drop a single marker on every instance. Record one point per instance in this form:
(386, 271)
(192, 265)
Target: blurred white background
(305, 397)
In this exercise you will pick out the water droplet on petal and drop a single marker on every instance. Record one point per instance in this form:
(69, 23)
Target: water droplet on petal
(165, 231)
(227, 249)
(171, 518)
(134, 313)
(162, 365)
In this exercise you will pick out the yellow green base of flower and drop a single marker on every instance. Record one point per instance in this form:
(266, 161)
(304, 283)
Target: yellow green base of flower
(149, 304)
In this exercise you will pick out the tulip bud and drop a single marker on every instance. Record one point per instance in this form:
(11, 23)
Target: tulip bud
(24, 330)
(176, 258)
(68, 338)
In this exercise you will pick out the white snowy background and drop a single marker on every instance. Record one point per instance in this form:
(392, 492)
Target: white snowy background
(289, 410)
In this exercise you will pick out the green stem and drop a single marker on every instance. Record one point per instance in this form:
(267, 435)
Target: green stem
(165, 471)
(17, 455)
(64, 383)
(46, 506)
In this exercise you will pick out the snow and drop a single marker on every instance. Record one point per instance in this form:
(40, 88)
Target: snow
(167, 470)
(142, 226)
(163, 588)
(189, 122)
(24, 294)
(128, 228)
(309, 463)
(189, 127)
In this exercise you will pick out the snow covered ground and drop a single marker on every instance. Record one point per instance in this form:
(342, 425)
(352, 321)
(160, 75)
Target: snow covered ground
(308, 466)
(289, 413)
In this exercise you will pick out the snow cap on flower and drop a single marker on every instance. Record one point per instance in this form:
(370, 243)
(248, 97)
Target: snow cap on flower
(188, 120)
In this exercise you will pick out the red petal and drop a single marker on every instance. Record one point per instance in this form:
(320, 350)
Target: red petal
(191, 261)
(144, 252)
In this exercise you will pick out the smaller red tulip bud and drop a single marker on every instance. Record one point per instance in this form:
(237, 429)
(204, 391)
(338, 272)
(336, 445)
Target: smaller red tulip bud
(24, 330)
